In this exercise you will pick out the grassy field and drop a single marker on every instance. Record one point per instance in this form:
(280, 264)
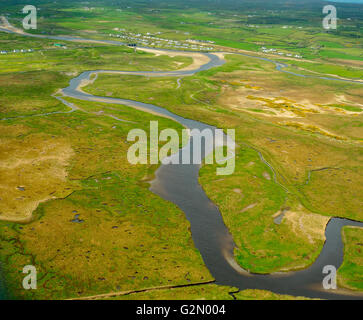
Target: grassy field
(350, 273)
(75, 164)
(50, 69)
(248, 25)
(47, 57)
(322, 69)
(96, 211)
(249, 212)
(127, 237)
(298, 157)
(205, 292)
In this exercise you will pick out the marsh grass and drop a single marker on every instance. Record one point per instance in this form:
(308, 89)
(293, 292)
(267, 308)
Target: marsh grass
(350, 273)
(128, 238)
(263, 246)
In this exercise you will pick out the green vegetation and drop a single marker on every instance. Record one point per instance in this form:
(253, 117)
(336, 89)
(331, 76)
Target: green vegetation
(328, 69)
(25, 94)
(119, 245)
(263, 246)
(29, 79)
(95, 228)
(205, 292)
(350, 274)
(93, 57)
(246, 25)
(129, 238)
(348, 108)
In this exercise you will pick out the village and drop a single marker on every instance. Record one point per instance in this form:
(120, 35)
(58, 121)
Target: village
(16, 51)
(275, 51)
(57, 45)
(153, 40)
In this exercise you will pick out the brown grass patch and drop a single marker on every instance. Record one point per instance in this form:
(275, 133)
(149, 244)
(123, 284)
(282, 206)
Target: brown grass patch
(32, 170)
(310, 225)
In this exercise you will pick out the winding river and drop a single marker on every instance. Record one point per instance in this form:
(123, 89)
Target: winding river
(179, 184)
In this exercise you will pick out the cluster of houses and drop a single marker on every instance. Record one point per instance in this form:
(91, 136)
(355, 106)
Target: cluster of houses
(274, 51)
(269, 26)
(153, 40)
(58, 45)
(16, 51)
